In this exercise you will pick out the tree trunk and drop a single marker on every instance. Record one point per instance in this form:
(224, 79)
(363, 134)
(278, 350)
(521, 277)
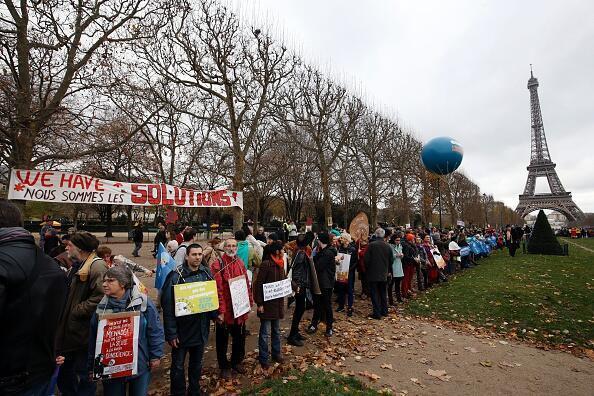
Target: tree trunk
(326, 196)
(238, 186)
(108, 230)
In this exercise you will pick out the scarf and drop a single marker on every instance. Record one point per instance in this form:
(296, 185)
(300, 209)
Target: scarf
(278, 261)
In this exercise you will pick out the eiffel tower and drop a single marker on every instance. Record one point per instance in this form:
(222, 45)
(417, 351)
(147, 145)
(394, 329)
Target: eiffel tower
(541, 166)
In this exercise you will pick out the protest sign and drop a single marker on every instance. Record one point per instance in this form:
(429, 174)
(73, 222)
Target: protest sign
(274, 290)
(66, 187)
(116, 346)
(438, 259)
(240, 296)
(195, 297)
(342, 271)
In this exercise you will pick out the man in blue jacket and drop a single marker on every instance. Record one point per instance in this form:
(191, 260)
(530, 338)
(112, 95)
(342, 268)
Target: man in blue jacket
(186, 334)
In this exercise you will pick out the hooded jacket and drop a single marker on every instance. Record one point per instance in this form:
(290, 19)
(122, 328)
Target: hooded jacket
(32, 295)
(150, 333)
(191, 330)
(86, 290)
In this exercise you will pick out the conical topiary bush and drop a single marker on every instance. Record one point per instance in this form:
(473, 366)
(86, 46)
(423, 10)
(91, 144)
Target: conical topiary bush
(543, 240)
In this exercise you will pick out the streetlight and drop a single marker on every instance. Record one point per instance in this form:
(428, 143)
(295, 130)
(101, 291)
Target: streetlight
(485, 202)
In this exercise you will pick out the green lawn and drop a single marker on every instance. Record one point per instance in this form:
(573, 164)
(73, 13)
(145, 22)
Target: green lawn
(586, 242)
(312, 382)
(543, 298)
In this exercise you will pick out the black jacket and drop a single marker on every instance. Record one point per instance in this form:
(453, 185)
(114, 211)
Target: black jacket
(191, 330)
(409, 251)
(137, 235)
(378, 258)
(32, 295)
(326, 267)
(301, 270)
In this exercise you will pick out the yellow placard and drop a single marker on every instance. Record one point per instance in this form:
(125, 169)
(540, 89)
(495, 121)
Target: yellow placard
(195, 297)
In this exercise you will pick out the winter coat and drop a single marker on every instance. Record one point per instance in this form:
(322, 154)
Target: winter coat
(160, 237)
(137, 235)
(269, 272)
(190, 330)
(423, 257)
(396, 267)
(150, 335)
(303, 272)
(247, 253)
(410, 252)
(378, 259)
(326, 267)
(32, 295)
(224, 269)
(86, 290)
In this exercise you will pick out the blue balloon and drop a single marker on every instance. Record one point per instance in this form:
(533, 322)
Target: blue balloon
(442, 155)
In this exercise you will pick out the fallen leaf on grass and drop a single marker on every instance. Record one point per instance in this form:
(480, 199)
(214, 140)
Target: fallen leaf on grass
(486, 363)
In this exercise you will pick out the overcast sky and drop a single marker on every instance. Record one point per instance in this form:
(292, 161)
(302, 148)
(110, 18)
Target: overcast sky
(460, 69)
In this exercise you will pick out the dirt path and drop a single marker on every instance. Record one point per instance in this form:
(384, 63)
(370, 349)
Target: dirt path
(361, 347)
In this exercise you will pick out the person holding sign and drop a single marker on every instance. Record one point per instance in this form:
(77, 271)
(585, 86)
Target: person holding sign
(187, 334)
(347, 256)
(117, 357)
(270, 308)
(235, 300)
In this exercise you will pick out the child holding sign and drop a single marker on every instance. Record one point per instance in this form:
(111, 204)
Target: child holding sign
(271, 286)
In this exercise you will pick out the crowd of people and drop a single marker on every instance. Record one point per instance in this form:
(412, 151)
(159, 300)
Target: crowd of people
(51, 308)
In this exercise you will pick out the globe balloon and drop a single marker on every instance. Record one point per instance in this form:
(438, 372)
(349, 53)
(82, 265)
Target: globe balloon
(442, 155)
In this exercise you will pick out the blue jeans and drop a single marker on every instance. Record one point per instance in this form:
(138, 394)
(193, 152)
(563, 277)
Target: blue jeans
(138, 386)
(74, 376)
(137, 246)
(177, 373)
(265, 329)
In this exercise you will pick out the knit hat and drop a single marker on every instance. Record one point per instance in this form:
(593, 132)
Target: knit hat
(85, 241)
(346, 237)
(122, 274)
(410, 237)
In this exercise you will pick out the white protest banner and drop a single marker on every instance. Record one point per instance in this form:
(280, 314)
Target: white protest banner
(438, 258)
(116, 346)
(66, 187)
(240, 297)
(342, 271)
(274, 290)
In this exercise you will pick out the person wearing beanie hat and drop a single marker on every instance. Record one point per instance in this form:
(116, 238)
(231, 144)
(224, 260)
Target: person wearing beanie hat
(123, 295)
(86, 290)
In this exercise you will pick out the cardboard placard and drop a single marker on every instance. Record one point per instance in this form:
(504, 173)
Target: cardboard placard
(116, 346)
(274, 290)
(342, 271)
(240, 297)
(195, 297)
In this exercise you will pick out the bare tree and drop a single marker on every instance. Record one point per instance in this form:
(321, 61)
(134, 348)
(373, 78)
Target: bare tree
(51, 51)
(237, 72)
